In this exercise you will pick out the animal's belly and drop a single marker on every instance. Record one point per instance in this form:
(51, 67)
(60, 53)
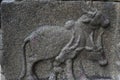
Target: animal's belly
(50, 42)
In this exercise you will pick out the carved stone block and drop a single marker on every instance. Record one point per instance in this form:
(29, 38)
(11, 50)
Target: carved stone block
(57, 40)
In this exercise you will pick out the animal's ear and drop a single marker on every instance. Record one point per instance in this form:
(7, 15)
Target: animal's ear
(86, 20)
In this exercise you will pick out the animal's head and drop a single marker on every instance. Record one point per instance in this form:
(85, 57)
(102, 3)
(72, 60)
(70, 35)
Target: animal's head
(96, 19)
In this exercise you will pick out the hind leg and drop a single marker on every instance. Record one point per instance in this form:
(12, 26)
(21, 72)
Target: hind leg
(30, 71)
(69, 69)
(56, 69)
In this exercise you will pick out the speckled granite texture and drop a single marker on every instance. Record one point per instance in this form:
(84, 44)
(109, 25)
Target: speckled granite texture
(19, 19)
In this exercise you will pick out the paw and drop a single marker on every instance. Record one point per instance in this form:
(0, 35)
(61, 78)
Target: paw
(32, 77)
(58, 69)
(52, 76)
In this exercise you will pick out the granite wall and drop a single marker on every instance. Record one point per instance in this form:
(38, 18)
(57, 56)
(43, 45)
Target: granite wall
(19, 19)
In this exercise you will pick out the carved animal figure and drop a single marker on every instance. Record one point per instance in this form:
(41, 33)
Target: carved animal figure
(63, 44)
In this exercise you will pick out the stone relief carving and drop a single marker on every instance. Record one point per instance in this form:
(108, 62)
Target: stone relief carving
(117, 51)
(81, 34)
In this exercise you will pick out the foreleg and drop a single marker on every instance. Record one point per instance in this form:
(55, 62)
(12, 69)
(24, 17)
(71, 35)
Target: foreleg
(69, 69)
(103, 60)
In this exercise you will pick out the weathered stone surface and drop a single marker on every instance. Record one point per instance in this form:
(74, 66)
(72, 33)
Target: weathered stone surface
(2, 77)
(60, 0)
(72, 0)
(19, 19)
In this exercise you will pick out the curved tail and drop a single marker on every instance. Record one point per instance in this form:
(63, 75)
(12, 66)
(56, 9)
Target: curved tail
(24, 64)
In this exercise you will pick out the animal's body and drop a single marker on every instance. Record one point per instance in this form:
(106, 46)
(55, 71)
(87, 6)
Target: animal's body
(49, 40)
(54, 42)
